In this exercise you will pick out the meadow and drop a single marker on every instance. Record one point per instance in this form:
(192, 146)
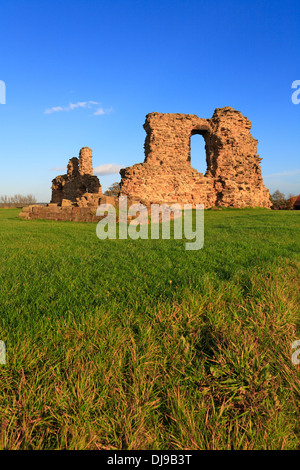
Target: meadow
(140, 344)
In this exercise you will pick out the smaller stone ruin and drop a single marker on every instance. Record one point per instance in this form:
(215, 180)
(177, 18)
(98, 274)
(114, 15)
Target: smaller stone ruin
(75, 196)
(79, 186)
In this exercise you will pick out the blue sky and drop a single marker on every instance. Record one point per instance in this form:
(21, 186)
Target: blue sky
(86, 73)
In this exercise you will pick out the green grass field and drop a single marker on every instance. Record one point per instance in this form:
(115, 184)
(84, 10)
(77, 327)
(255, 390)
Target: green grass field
(123, 344)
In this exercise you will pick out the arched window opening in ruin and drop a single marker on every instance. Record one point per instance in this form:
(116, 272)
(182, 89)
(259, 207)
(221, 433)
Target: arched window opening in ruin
(198, 152)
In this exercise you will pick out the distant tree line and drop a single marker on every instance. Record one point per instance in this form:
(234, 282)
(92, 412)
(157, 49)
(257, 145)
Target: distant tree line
(17, 200)
(279, 201)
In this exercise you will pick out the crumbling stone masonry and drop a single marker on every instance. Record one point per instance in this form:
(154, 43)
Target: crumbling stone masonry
(75, 196)
(78, 185)
(233, 176)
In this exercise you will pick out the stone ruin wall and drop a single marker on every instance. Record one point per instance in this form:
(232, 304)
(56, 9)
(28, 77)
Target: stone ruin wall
(75, 195)
(233, 177)
(78, 185)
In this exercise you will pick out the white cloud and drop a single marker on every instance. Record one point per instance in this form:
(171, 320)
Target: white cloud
(79, 104)
(55, 109)
(284, 173)
(82, 104)
(107, 169)
(99, 112)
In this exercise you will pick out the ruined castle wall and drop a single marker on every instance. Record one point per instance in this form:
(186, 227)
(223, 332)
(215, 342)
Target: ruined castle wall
(78, 181)
(168, 137)
(58, 185)
(85, 161)
(233, 176)
(73, 167)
